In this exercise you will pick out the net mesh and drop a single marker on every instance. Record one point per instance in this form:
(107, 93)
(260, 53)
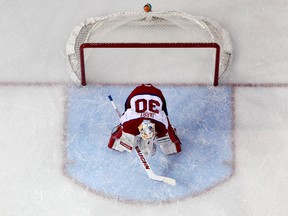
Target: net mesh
(152, 27)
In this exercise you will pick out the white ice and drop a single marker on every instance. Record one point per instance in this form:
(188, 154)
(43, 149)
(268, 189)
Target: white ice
(34, 81)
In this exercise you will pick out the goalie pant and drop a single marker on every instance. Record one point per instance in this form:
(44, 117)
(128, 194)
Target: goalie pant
(145, 102)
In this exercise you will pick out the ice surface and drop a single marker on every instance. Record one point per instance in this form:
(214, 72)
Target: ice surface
(33, 97)
(205, 129)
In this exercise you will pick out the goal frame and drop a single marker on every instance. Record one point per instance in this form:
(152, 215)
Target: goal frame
(149, 45)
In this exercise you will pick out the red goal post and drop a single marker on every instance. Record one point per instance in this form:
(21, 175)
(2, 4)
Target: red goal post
(150, 45)
(148, 30)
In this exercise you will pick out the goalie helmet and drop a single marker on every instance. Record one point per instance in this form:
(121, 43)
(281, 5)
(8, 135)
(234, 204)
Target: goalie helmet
(147, 130)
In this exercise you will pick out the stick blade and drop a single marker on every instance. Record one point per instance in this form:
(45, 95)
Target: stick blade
(164, 179)
(169, 181)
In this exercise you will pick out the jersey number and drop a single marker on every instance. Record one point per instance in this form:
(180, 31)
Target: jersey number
(142, 105)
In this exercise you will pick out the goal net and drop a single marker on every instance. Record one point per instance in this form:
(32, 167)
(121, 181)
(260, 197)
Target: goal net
(153, 45)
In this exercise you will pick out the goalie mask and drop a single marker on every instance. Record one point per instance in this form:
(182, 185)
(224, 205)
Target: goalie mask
(147, 130)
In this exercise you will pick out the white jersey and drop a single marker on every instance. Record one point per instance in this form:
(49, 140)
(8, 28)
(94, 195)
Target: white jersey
(145, 106)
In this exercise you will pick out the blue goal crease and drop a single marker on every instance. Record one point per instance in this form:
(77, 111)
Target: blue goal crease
(203, 118)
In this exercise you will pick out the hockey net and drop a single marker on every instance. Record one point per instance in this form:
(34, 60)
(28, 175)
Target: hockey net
(153, 30)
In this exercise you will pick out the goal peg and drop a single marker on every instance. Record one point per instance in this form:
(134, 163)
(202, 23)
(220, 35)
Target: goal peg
(147, 7)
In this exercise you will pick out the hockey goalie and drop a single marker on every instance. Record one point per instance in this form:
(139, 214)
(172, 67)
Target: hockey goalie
(145, 124)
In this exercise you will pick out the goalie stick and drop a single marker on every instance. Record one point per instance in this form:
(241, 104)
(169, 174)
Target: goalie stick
(143, 159)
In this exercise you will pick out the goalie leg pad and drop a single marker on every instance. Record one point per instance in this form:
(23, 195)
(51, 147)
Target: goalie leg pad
(121, 141)
(114, 139)
(170, 143)
(168, 148)
(127, 141)
(174, 138)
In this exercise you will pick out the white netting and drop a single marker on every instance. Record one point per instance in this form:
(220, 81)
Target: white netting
(153, 27)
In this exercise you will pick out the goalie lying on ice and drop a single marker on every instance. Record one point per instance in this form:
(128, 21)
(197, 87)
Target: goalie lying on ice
(145, 123)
